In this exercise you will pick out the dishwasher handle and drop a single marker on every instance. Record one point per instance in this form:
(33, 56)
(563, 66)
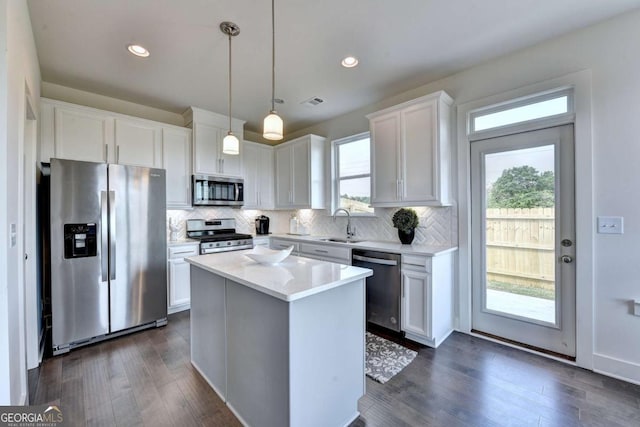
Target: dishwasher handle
(375, 260)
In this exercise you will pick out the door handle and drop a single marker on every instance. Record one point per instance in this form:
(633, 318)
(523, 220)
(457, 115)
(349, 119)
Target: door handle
(104, 235)
(566, 259)
(117, 154)
(112, 237)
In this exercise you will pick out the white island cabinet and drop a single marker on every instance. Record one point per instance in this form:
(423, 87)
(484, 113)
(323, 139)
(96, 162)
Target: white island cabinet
(283, 345)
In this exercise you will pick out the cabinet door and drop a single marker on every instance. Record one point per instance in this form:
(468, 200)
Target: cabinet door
(416, 286)
(418, 152)
(230, 164)
(284, 173)
(257, 164)
(82, 135)
(301, 178)
(179, 282)
(138, 144)
(385, 138)
(176, 154)
(265, 178)
(250, 174)
(206, 160)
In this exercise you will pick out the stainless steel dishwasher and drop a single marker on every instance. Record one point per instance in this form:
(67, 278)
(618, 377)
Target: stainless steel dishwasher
(383, 288)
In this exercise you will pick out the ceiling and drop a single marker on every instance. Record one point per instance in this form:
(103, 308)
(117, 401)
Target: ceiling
(400, 44)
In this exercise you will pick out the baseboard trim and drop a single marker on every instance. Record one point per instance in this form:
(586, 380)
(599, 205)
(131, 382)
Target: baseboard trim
(616, 368)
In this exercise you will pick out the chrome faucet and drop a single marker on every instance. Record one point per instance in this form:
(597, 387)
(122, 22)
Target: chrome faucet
(351, 231)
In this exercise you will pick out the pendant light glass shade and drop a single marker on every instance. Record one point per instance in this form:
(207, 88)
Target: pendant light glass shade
(272, 127)
(230, 144)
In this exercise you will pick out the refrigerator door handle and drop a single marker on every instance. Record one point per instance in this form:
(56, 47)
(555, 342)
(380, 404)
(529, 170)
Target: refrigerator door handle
(112, 232)
(104, 236)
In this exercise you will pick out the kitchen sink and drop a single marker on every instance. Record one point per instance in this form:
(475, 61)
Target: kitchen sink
(338, 240)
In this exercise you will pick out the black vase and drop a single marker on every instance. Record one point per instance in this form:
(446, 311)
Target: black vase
(406, 237)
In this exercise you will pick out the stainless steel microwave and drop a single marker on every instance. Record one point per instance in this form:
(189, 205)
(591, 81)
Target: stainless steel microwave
(217, 191)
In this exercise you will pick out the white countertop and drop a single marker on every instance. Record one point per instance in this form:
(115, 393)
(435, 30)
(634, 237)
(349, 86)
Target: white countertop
(182, 242)
(289, 280)
(393, 247)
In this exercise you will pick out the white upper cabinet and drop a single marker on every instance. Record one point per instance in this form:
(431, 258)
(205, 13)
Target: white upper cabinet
(138, 143)
(75, 133)
(258, 168)
(209, 129)
(410, 153)
(300, 173)
(176, 152)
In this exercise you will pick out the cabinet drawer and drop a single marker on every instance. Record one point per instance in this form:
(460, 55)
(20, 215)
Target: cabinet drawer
(183, 251)
(417, 261)
(284, 244)
(324, 251)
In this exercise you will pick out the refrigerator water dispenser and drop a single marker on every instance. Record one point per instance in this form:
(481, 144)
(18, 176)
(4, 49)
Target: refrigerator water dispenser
(80, 240)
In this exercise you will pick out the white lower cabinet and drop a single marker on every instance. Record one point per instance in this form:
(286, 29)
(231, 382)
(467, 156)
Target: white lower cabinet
(261, 241)
(179, 277)
(427, 298)
(331, 253)
(284, 244)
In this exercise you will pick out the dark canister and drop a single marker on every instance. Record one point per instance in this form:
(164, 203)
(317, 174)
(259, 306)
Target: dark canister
(262, 224)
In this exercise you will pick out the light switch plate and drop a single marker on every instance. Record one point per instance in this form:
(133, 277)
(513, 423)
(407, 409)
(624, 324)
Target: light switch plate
(13, 236)
(610, 225)
(636, 307)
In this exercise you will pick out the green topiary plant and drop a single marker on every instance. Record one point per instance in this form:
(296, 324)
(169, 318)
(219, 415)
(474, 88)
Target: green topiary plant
(405, 219)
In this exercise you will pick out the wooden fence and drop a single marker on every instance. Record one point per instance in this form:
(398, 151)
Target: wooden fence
(520, 246)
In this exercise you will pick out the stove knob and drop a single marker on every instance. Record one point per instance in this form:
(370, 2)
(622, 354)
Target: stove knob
(228, 243)
(217, 245)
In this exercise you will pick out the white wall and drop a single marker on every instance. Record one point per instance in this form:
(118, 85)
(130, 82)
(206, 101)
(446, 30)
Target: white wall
(88, 99)
(610, 51)
(21, 69)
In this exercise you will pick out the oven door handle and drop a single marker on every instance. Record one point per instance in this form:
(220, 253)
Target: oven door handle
(375, 260)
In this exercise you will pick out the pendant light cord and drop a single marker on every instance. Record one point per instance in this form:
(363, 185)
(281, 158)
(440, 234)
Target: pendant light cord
(273, 56)
(229, 82)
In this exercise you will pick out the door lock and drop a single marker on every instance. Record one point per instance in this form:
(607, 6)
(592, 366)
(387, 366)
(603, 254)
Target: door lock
(566, 259)
(566, 243)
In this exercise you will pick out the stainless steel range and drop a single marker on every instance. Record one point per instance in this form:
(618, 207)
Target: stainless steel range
(217, 235)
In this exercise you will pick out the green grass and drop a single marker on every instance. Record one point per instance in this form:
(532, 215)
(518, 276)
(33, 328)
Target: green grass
(521, 290)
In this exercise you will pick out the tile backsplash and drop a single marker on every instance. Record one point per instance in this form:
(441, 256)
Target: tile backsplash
(438, 225)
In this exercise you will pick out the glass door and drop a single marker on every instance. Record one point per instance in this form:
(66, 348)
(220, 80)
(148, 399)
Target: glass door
(523, 238)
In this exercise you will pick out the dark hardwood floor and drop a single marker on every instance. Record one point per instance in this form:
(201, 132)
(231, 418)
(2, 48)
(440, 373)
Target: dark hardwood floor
(147, 379)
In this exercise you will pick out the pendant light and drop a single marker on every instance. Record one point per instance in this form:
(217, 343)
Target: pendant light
(230, 143)
(272, 128)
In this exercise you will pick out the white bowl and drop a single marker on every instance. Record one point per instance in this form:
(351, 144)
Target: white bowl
(268, 256)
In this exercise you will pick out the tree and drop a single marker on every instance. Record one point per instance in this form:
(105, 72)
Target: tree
(523, 187)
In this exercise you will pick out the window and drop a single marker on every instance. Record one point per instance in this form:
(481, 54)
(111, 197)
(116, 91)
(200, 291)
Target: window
(352, 162)
(523, 110)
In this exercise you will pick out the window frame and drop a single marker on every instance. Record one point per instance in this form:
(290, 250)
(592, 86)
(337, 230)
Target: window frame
(536, 123)
(336, 177)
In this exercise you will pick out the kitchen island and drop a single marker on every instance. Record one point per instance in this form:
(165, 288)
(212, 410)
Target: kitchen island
(282, 345)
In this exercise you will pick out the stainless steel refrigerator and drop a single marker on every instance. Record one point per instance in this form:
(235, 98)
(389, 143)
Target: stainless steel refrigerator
(107, 251)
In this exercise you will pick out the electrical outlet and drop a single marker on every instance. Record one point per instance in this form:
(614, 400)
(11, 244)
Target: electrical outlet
(610, 225)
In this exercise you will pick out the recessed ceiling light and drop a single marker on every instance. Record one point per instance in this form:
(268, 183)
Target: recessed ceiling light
(138, 50)
(350, 62)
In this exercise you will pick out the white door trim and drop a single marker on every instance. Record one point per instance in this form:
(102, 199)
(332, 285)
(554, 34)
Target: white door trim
(585, 224)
